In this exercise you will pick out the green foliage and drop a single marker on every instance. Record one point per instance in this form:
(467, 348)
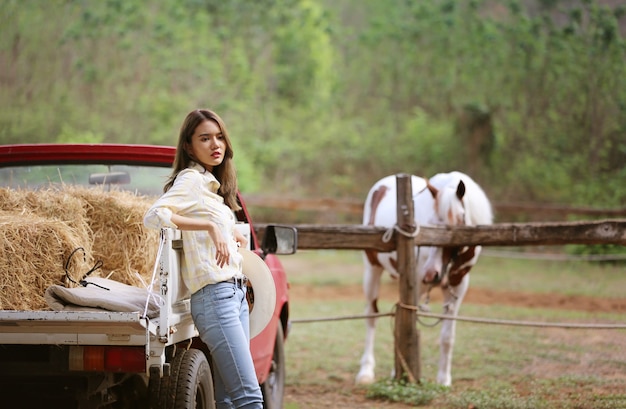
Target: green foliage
(248, 177)
(406, 392)
(68, 135)
(325, 97)
(599, 250)
(303, 55)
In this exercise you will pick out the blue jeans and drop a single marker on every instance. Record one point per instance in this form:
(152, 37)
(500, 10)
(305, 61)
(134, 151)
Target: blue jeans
(220, 313)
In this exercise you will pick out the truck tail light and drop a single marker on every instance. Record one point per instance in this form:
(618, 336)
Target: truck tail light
(107, 359)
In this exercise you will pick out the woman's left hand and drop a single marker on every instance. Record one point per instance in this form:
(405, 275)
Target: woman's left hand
(241, 240)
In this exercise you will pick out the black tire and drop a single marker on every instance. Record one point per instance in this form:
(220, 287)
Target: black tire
(274, 386)
(190, 385)
(194, 382)
(157, 389)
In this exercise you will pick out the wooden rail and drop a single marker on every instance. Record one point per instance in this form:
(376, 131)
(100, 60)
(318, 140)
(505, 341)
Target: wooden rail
(355, 206)
(360, 237)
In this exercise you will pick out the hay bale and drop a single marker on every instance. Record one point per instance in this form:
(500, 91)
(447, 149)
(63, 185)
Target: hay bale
(40, 229)
(34, 253)
(127, 249)
(52, 203)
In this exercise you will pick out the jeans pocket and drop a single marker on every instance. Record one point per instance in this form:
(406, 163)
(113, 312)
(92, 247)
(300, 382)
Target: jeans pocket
(225, 292)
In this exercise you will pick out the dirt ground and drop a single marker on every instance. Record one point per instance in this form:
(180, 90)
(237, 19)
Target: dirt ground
(473, 296)
(349, 396)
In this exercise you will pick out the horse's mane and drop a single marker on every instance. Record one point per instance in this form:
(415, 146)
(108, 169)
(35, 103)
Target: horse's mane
(477, 206)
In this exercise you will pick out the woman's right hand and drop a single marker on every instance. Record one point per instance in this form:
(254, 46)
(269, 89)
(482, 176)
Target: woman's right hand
(222, 254)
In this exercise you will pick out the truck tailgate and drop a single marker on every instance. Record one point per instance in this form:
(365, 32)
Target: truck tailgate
(74, 328)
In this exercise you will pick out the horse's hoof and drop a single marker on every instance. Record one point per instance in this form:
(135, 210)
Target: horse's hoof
(364, 379)
(444, 381)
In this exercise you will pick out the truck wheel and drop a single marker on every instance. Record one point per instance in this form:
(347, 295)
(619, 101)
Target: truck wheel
(274, 386)
(190, 385)
(193, 382)
(157, 391)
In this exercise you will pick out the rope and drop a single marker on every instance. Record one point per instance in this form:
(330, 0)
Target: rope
(154, 273)
(405, 365)
(401, 358)
(98, 264)
(434, 324)
(343, 318)
(514, 322)
(467, 319)
(389, 233)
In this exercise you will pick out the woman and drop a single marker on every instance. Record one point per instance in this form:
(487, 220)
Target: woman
(199, 198)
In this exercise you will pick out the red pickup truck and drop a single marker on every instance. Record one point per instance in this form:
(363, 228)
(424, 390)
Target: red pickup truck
(152, 361)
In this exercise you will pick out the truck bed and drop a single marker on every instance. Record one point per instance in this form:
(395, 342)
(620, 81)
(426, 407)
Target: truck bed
(90, 327)
(74, 328)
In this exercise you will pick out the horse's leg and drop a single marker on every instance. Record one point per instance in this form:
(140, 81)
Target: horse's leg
(371, 287)
(453, 297)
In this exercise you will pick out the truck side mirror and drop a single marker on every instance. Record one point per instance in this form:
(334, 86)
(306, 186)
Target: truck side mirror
(279, 240)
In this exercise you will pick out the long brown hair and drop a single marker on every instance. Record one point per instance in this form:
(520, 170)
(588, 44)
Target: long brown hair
(224, 173)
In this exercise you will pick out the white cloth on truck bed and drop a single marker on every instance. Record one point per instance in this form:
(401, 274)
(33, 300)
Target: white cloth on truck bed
(119, 297)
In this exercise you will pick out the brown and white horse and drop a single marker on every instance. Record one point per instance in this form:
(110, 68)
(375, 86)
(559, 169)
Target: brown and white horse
(451, 199)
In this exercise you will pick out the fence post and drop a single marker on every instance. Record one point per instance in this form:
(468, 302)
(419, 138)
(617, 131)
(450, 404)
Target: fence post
(406, 336)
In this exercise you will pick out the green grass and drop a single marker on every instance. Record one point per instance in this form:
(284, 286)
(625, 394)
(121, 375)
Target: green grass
(494, 366)
(594, 279)
(541, 276)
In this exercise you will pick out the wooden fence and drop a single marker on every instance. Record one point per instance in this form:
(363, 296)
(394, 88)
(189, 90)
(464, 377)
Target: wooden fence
(361, 237)
(354, 207)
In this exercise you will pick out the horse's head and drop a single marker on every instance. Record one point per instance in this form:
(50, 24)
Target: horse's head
(448, 265)
(449, 207)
